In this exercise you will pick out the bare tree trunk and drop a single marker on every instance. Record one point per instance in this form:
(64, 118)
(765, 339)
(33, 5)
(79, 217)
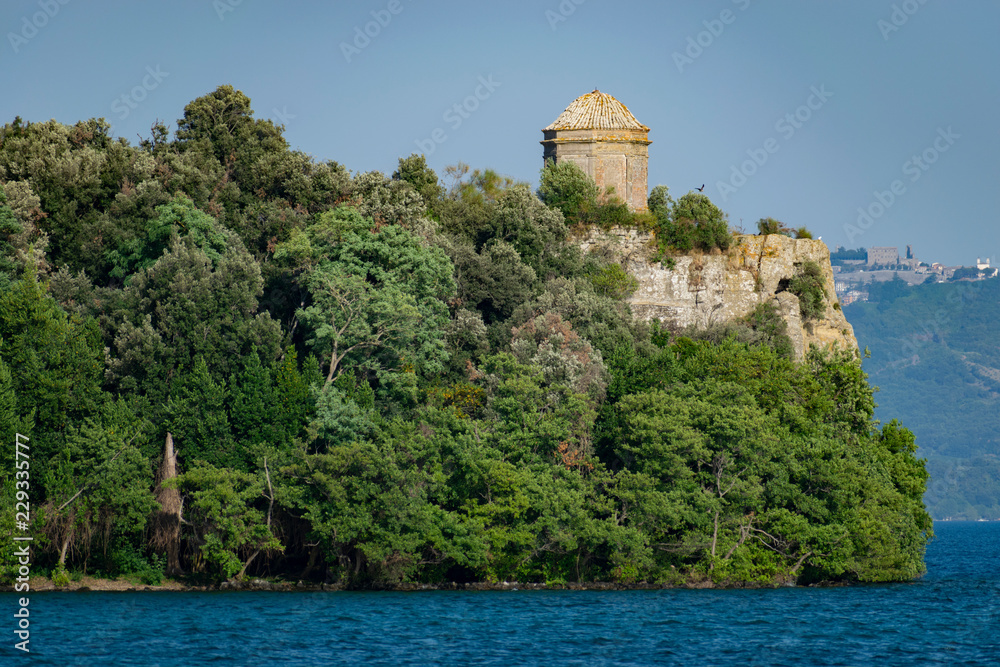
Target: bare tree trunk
(167, 523)
(311, 565)
(801, 560)
(270, 507)
(67, 539)
(715, 538)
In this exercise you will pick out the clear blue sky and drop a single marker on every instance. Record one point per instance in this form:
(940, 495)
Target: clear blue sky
(927, 89)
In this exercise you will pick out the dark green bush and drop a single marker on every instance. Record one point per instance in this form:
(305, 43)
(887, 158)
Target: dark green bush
(808, 286)
(691, 222)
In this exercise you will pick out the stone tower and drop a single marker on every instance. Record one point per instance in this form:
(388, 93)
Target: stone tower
(601, 135)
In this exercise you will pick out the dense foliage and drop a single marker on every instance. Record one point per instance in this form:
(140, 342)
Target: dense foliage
(231, 359)
(934, 356)
(691, 222)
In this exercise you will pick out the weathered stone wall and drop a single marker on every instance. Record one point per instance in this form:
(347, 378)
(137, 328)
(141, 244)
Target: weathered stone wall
(703, 289)
(617, 158)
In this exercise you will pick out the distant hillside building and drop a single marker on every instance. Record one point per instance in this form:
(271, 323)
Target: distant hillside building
(601, 135)
(883, 256)
(911, 262)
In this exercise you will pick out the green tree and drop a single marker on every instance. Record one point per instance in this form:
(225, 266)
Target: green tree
(660, 203)
(389, 201)
(196, 415)
(224, 120)
(494, 280)
(177, 219)
(613, 281)
(711, 227)
(269, 408)
(10, 228)
(566, 187)
(230, 530)
(378, 297)
(414, 170)
(55, 361)
(77, 174)
(98, 486)
(184, 306)
(604, 320)
(351, 317)
(378, 507)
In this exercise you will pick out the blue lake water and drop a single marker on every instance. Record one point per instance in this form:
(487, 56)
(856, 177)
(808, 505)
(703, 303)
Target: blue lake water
(950, 617)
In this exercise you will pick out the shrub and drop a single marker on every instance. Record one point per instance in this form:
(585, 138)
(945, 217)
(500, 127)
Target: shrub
(612, 281)
(691, 222)
(767, 226)
(771, 328)
(763, 326)
(565, 186)
(152, 574)
(660, 201)
(808, 287)
(60, 577)
(613, 213)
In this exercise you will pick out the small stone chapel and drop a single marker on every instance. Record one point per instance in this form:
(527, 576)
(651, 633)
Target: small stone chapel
(601, 135)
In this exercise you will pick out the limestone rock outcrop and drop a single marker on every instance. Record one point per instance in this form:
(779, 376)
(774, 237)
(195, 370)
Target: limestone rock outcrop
(711, 288)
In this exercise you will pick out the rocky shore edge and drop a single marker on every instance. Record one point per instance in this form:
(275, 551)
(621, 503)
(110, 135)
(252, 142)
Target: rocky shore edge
(91, 584)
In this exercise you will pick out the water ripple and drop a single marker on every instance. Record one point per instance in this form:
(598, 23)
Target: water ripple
(950, 617)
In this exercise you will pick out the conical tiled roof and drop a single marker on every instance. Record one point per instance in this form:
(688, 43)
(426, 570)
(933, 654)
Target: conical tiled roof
(596, 111)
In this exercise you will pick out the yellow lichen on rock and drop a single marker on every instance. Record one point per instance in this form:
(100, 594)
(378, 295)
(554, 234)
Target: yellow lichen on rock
(705, 289)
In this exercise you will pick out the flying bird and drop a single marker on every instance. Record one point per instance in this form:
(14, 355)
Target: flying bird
(701, 189)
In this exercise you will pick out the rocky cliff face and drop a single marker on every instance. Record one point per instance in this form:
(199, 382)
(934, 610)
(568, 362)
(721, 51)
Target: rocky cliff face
(704, 289)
